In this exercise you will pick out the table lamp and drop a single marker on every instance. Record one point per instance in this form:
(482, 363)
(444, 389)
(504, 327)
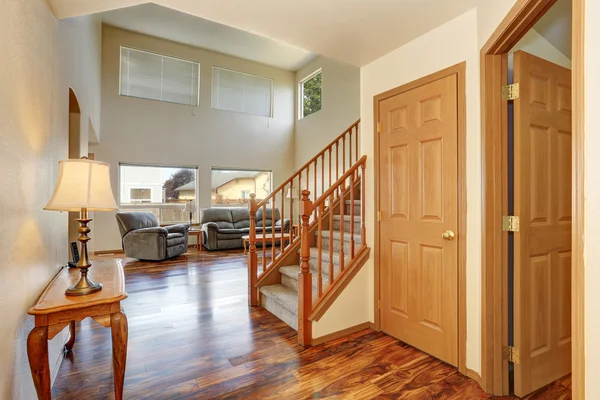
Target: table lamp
(190, 206)
(83, 185)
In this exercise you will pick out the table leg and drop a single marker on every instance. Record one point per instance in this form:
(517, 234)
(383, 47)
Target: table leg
(37, 351)
(71, 342)
(245, 250)
(118, 327)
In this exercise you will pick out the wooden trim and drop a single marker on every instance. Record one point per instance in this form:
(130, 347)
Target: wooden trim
(578, 210)
(340, 334)
(519, 20)
(108, 252)
(460, 71)
(349, 273)
(473, 375)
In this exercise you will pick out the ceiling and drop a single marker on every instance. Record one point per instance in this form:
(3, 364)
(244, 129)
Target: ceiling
(556, 26)
(155, 20)
(354, 31)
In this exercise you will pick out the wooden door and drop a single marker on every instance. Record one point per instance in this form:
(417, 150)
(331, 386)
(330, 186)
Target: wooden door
(418, 175)
(542, 199)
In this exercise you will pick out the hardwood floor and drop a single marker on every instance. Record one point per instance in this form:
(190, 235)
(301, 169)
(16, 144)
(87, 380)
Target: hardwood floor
(192, 336)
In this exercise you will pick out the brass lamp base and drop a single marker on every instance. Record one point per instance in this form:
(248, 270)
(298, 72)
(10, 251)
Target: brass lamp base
(84, 286)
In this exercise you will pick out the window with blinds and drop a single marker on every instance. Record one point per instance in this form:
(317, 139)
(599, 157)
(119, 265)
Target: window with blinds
(153, 76)
(241, 92)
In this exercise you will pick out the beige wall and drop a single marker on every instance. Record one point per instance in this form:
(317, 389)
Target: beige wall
(443, 47)
(146, 131)
(592, 200)
(340, 107)
(42, 58)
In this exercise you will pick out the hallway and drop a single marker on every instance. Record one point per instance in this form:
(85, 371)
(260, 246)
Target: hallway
(192, 336)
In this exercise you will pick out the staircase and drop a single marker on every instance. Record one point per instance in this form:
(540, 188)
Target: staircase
(281, 299)
(323, 244)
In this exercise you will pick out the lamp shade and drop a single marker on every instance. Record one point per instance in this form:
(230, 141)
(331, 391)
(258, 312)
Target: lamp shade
(82, 184)
(190, 206)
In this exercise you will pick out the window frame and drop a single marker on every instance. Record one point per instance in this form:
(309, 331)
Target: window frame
(197, 63)
(213, 88)
(301, 92)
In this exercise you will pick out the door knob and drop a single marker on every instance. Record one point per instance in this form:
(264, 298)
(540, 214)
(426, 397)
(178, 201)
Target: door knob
(448, 235)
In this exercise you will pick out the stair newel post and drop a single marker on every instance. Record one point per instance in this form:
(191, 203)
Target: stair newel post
(305, 276)
(252, 260)
(363, 206)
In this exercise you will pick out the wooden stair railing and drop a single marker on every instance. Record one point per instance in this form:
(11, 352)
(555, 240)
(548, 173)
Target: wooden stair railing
(318, 174)
(344, 188)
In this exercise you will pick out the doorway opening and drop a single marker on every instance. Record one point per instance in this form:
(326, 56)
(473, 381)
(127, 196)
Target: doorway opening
(532, 105)
(75, 151)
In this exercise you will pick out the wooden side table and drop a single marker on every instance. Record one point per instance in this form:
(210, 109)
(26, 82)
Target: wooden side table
(54, 311)
(198, 234)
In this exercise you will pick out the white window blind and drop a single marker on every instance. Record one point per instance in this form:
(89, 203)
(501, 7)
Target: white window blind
(157, 77)
(240, 92)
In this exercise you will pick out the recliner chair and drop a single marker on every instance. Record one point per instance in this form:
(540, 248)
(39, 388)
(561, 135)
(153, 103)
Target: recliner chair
(143, 237)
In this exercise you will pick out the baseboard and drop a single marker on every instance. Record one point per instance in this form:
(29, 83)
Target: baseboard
(474, 375)
(373, 326)
(64, 336)
(108, 252)
(339, 334)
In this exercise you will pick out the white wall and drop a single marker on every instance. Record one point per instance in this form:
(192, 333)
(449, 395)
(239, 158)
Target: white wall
(447, 45)
(146, 131)
(592, 200)
(41, 59)
(340, 107)
(536, 44)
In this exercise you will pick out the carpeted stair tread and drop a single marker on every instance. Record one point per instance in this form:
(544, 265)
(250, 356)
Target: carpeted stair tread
(285, 296)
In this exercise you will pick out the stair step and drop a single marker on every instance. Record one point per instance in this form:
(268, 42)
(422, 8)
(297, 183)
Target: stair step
(337, 236)
(347, 217)
(289, 278)
(282, 302)
(337, 223)
(355, 201)
(337, 240)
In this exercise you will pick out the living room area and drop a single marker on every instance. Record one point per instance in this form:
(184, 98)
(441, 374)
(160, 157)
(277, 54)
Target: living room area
(201, 118)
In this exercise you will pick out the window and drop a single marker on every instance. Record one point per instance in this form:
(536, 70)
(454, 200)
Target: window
(240, 92)
(139, 195)
(310, 94)
(163, 190)
(232, 187)
(156, 77)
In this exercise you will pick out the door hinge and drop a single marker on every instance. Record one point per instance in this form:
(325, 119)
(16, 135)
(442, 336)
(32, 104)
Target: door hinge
(379, 304)
(378, 127)
(511, 354)
(510, 223)
(378, 216)
(510, 92)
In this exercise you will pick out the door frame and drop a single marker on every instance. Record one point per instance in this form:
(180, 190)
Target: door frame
(460, 71)
(494, 132)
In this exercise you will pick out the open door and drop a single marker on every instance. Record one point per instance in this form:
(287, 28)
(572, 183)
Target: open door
(542, 201)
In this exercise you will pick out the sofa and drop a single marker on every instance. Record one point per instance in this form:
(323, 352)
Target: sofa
(143, 237)
(223, 228)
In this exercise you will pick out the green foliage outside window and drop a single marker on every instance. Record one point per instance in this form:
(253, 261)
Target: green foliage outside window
(311, 95)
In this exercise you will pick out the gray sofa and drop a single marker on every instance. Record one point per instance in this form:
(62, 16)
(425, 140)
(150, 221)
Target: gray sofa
(144, 238)
(223, 228)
